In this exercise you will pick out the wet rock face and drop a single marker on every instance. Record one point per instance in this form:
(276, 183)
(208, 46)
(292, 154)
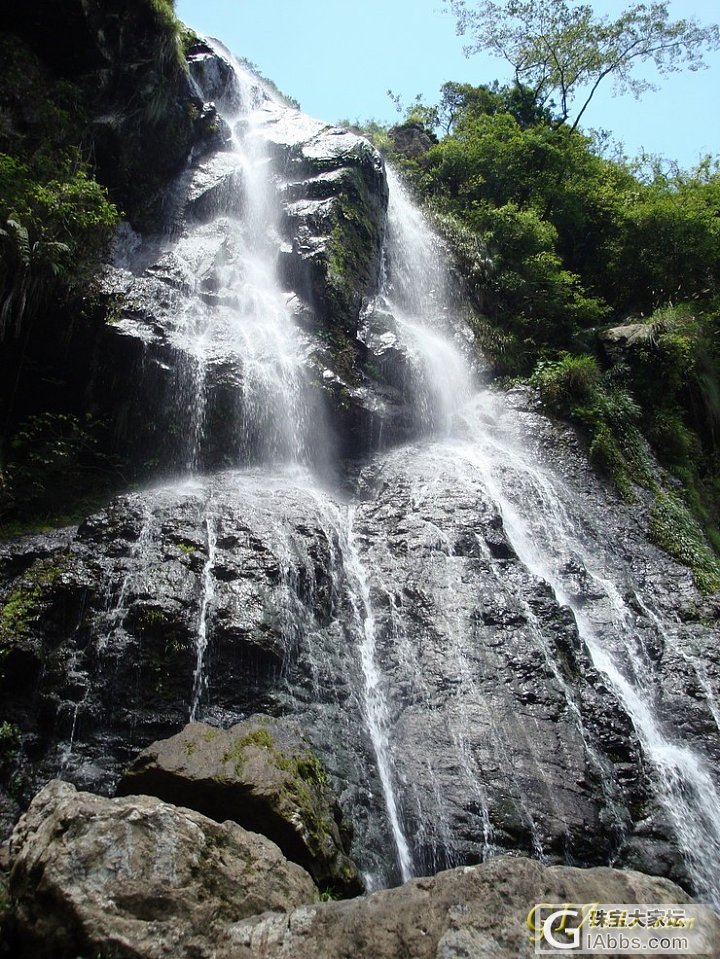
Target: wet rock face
(262, 774)
(499, 732)
(491, 696)
(138, 877)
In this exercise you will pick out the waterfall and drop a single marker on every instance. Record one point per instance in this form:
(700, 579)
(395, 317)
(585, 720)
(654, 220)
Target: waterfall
(454, 596)
(543, 523)
(236, 320)
(545, 526)
(374, 698)
(416, 293)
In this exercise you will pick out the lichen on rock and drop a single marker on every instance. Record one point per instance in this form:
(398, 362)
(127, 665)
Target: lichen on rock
(263, 774)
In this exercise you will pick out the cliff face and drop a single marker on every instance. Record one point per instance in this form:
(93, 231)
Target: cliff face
(127, 59)
(98, 108)
(339, 524)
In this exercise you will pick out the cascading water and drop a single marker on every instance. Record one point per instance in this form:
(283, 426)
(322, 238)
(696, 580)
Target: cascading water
(236, 320)
(462, 601)
(202, 629)
(374, 697)
(546, 526)
(416, 300)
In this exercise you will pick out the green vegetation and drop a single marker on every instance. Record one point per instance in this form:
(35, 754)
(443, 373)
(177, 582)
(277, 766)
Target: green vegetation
(269, 84)
(577, 387)
(187, 549)
(556, 242)
(676, 530)
(55, 458)
(55, 222)
(304, 785)
(328, 895)
(89, 126)
(55, 219)
(24, 603)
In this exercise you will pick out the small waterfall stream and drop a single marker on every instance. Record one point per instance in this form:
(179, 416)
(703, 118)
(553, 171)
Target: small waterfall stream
(201, 641)
(542, 523)
(387, 598)
(374, 697)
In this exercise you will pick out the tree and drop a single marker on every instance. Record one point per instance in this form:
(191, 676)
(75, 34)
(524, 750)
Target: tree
(562, 51)
(463, 100)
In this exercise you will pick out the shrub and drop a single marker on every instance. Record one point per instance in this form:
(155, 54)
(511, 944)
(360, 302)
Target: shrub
(676, 530)
(567, 382)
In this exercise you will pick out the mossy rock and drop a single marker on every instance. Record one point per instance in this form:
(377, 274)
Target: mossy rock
(29, 605)
(262, 774)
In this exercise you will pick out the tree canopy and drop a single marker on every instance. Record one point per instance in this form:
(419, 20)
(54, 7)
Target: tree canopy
(562, 51)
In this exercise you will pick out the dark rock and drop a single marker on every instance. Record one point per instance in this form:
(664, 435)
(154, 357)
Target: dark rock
(411, 139)
(501, 733)
(262, 774)
(215, 77)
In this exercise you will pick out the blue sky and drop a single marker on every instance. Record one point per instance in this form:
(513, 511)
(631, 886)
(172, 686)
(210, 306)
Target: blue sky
(339, 58)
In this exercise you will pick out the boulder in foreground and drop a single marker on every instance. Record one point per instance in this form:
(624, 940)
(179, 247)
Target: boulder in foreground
(262, 774)
(137, 877)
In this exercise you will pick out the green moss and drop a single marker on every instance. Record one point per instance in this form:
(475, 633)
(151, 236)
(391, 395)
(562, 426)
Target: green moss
(304, 783)
(310, 768)
(305, 786)
(259, 737)
(24, 604)
(353, 236)
(10, 738)
(674, 529)
(606, 453)
(187, 548)
(262, 738)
